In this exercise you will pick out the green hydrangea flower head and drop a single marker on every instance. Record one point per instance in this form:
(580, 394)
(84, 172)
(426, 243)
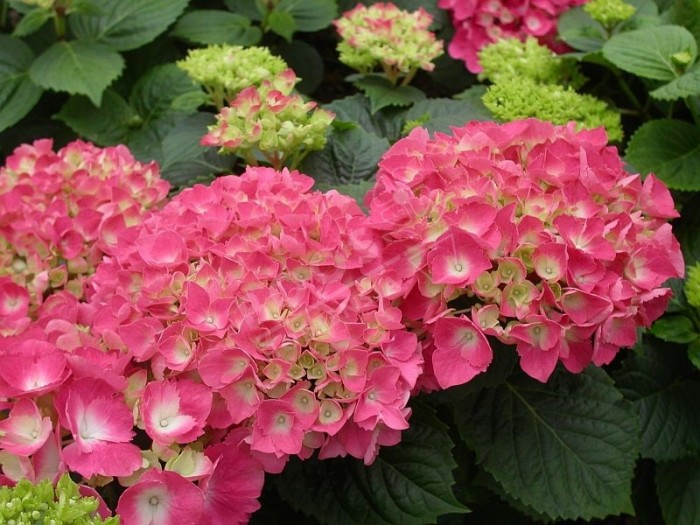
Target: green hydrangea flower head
(273, 121)
(521, 97)
(26, 503)
(382, 35)
(511, 57)
(692, 285)
(225, 70)
(609, 12)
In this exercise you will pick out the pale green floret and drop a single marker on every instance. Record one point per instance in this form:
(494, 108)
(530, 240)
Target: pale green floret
(510, 57)
(225, 70)
(42, 504)
(520, 98)
(692, 285)
(609, 12)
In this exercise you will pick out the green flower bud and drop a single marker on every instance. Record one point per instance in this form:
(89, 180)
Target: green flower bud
(510, 57)
(692, 285)
(520, 98)
(609, 12)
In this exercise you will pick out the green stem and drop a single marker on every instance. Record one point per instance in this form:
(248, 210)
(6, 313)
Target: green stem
(627, 90)
(59, 22)
(407, 79)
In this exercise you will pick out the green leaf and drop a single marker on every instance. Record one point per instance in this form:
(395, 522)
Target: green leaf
(566, 449)
(444, 113)
(687, 85)
(217, 27)
(77, 67)
(675, 329)
(160, 89)
(349, 156)
(678, 486)
(106, 125)
(306, 62)
(126, 24)
(182, 142)
(653, 380)
(407, 484)
(647, 52)
(309, 15)
(355, 109)
(694, 353)
(32, 21)
(282, 23)
(252, 9)
(382, 93)
(670, 149)
(18, 94)
(580, 31)
(685, 13)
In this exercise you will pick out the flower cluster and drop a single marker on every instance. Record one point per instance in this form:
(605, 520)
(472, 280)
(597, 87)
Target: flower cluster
(64, 504)
(247, 303)
(59, 213)
(225, 70)
(518, 98)
(529, 233)
(272, 121)
(481, 22)
(609, 12)
(382, 35)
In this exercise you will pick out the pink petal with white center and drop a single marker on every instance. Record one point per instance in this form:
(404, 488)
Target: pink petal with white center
(620, 330)
(276, 428)
(305, 404)
(242, 396)
(34, 367)
(161, 498)
(550, 261)
(461, 351)
(14, 300)
(404, 351)
(539, 332)
(655, 199)
(24, 431)
(165, 249)
(231, 492)
(457, 259)
(221, 366)
(104, 458)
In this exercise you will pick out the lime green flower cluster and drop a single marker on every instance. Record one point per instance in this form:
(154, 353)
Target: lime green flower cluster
(382, 35)
(26, 503)
(531, 81)
(225, 70)
(609, 12)
(520, 98)
(511, 57)
(271, 121)
(692, 285)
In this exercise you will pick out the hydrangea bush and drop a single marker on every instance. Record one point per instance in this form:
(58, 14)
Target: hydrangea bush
(241, 283)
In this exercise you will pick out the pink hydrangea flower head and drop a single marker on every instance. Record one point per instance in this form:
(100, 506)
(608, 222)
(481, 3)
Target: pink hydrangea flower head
(59, 213)
(478, 23)
(529, 233)
(382, 35)
(255, 309)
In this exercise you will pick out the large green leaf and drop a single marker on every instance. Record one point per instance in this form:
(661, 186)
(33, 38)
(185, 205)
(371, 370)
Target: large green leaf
(678, 486)
(410, 483)
(126, 24)
(309, 15)
(670, 149)
(348, 157)
(382, 93)
(685, 13)
(159, 89)
(32, 21)
(306, 62)
(106, 125)
(580, 31)
(77, 67)
(648, 52)
(566, 449)
(655, 381)
(18, 94)
(213, 26)
(356, 109)
(440, 114)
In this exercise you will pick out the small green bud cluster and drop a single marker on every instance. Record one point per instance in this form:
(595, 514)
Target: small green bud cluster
(225, 70)
(609, 12)
(29, 504)
(271, 120)
(382, 35)
(692, 285)
(531, 81)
